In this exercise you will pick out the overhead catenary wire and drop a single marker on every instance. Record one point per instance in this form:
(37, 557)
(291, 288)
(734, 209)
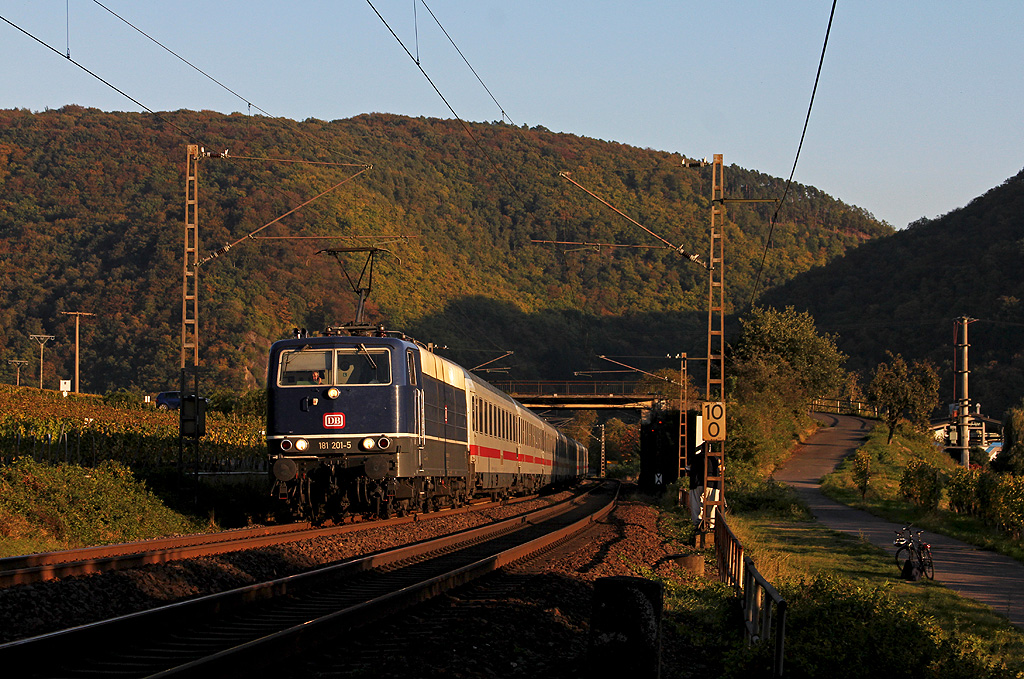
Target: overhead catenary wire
(479, 79)
(785, 192)
(695, 258)
(186, 133)
(194, 137)
(490, 159)
(436, 89)
(181, 58)
(188, 63)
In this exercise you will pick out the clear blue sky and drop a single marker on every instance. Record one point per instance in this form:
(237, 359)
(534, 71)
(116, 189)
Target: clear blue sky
(918, 111)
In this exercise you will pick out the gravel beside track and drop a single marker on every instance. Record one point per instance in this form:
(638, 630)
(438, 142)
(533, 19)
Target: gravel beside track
(38, 608)
(531, 620)
(538, 627)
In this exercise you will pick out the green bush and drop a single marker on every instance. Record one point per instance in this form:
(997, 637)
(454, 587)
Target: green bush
(921, 484)
(1001, 498)
(766, 497)
(79, 506)
(125, 398)
(839, 630)
(962, 488)
(862, 471)
(252, 403)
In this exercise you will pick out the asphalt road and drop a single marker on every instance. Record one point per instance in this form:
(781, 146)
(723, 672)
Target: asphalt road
(994, 580)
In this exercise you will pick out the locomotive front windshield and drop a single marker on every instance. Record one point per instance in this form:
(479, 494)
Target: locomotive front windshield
(349, 366)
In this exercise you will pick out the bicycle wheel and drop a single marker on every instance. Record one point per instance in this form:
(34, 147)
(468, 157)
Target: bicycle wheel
(902, 555)
(927, 565)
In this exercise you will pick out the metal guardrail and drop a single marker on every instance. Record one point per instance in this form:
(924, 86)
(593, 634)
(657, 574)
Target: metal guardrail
(568, 388)
(728, 554)
(844, 406)
(760, 602)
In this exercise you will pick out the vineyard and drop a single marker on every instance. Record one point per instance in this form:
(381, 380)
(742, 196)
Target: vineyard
(84, 430)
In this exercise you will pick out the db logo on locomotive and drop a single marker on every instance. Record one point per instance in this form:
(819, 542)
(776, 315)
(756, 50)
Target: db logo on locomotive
(334, 420)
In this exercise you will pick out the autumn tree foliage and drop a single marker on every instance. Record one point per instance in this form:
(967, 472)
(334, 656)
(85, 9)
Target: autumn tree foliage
(778, 365)
(789, 340)
(904, 391)
(1011, 457)
(91, 219)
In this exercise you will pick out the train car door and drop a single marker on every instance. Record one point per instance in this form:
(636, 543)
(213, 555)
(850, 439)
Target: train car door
(414, 379)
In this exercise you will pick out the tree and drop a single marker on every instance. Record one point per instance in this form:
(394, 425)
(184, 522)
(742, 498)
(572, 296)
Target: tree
(904, 391)
(1011, 457)
(622, 441)
(791, 340)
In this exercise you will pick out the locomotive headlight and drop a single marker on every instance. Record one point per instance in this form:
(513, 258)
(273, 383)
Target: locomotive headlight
(301, 445)
(286, 444)
(333, 392)
(368, 444)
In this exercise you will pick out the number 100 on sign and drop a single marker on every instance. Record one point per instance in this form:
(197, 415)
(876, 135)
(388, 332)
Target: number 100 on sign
(713, 420)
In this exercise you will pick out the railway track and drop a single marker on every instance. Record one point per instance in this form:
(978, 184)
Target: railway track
(20, 570)
(243, 631)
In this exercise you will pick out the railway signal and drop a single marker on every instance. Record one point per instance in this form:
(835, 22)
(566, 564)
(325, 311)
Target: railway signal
(713, 420)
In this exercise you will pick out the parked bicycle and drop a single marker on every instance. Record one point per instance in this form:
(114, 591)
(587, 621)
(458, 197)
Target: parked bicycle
(910, 547)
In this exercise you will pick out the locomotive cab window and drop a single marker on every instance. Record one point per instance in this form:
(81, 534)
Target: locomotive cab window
(304, 368)
(349, 366)
(363, 366)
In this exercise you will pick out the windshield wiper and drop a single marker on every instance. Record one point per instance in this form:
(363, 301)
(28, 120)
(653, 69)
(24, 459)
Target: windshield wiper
(369, 358)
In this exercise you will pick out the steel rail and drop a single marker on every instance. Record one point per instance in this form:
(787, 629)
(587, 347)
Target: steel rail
(111, 637)
(26, 569)
(306, 637)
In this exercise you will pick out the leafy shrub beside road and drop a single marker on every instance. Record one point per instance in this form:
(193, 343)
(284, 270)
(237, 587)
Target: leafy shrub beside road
(62, 506)
(843, 630)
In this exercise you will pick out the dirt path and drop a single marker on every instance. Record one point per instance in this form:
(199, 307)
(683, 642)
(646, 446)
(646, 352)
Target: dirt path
(994, 580)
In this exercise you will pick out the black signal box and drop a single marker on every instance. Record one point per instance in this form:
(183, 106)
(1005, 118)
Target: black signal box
(193, 416)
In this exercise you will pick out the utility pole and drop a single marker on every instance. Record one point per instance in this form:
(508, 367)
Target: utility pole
(684, 409)
(190, 272)
(17, 363)
(42, 339)
(961, 393)
(714, 446)
(78, 315)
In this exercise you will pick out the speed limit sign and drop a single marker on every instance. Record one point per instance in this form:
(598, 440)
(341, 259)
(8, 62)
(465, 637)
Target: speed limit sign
(713, 420)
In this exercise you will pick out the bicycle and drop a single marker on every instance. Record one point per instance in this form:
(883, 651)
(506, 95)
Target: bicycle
(910, 546)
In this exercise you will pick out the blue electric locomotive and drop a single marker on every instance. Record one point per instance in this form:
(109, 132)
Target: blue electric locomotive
(380, 425)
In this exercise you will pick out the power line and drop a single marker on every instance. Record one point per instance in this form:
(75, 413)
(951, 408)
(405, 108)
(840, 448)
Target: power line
(183, 59)
(186, 133)
(785, 192)
(465, 125)
(248, 103)
(481, 81)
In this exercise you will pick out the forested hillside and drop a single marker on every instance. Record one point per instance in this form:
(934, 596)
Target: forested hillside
(902, 294)
(91, 219)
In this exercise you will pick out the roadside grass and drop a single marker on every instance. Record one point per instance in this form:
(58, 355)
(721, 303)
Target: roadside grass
(46, 507)
(792, 551)
(883, 498)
